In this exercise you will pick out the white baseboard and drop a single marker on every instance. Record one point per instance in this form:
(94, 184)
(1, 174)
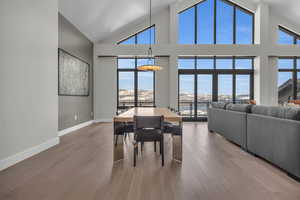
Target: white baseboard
(74, 128)
(12, 160)
(103, 120)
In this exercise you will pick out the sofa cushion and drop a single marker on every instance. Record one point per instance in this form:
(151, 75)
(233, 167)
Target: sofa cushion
(292, 113)
(239, 107)
(275, 111)
(260, 110)
(278, 112)
(219, 105)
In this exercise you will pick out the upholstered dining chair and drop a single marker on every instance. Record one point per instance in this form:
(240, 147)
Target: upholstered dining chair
(148, 129)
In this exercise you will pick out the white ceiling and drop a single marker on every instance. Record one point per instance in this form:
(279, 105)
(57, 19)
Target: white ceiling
(99, 18)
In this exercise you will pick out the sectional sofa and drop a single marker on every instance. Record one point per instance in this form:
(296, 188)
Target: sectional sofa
(272, 133)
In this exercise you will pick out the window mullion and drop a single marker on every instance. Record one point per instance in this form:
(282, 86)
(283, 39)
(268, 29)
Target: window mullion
(215, 21)
(234, 25)
(196, 25)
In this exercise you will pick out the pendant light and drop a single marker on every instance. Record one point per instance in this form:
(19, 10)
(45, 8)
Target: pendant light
(150, 66)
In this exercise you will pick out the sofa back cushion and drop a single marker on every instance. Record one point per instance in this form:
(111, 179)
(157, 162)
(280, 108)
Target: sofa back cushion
(260, 110)
(292, 113)
(219, 105)
(278, 112)
(239, 107)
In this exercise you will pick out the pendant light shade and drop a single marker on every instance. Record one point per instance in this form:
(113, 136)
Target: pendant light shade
(150, 66)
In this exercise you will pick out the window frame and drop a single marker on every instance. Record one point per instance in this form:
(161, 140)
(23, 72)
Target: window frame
(135, 36)
(135, 71)
(215, 72)
(235, 7)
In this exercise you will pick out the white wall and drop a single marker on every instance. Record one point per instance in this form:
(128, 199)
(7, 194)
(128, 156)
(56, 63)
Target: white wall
(28, 78)
(162, 83)
(105, 88)
(265, 49)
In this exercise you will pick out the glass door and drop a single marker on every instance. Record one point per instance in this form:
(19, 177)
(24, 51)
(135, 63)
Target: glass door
(187, 95)
(225, 90)
(204, 94)
(195, 94)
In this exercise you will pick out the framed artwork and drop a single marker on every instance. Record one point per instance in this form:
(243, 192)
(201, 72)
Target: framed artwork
(73, 75)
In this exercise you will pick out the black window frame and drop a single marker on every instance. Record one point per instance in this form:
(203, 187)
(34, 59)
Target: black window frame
(135, 71)
(136, 34)
(294, 71)
(235, 7)
(215, 73)
(291, 33)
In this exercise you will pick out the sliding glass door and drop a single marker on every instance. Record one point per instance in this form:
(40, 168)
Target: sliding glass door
(205, 79)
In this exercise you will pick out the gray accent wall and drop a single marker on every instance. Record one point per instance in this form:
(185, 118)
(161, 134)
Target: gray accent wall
(28, 78)
(74, 110)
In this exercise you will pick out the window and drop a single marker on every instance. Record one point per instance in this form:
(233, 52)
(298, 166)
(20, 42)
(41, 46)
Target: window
(242, 88)
(203, 63)
(126, 89)
(186, 27)
(288, 79)
(142, 37)
(216, 22)
(135, 88)
(223, 63)
(287, 37)
(186, 63)
(205, 22)
(244, 27)
(225, 88)
(224, 22)
(206, 79)
(186, 95)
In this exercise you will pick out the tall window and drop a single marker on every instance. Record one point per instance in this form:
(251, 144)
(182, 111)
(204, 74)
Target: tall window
(287, 37)
(206, 79)
(288, 79)
(135, 88)
(142, 37)
(216, 22)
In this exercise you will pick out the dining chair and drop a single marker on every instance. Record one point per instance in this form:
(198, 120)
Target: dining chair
(148, 129)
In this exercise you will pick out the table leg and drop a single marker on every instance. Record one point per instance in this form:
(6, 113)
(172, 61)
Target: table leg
(118, 146)
(177, 146)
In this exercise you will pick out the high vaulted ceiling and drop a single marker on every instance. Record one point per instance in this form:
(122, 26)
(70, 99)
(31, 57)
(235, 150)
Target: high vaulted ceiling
(99, 18)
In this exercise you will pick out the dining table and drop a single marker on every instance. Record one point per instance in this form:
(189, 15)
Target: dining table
(127, 118)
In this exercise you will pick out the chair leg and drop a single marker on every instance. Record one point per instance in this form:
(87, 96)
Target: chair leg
(135, 151)
(154, 146)
(160, 147)
(116, 142)
(142, 146)
(162, 153)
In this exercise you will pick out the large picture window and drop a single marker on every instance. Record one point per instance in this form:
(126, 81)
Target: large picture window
(288, 79)
(135, 88)
(142, 37)
(216, 22)
(206, 79)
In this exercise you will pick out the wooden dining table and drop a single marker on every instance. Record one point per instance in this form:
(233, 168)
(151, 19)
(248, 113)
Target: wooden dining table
(127, 117)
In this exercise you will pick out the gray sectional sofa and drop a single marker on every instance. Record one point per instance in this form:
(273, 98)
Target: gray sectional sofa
(272, 133)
